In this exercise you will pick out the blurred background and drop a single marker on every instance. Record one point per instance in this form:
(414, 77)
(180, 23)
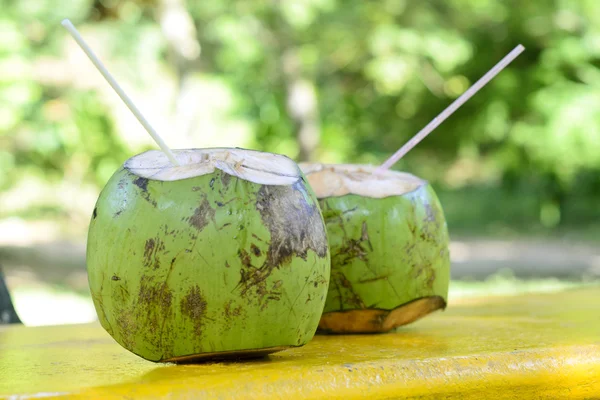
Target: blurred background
(516, 168)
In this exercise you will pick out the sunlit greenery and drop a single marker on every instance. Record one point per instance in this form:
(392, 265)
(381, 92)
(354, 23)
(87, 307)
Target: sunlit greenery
(329, 80)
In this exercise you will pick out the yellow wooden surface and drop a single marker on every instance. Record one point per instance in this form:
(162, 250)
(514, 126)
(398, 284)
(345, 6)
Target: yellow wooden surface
(537, 346)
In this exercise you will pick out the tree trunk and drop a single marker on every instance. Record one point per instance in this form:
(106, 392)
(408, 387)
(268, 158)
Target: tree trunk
(301, 93)
(301, 104)
(183, 53)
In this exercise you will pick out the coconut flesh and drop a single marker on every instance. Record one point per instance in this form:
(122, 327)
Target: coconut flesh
(389, 247)
(223, 256)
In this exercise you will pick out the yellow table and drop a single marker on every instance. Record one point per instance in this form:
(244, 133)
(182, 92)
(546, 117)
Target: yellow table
(536, 346)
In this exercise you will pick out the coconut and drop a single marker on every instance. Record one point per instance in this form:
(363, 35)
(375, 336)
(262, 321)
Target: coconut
(389, 247)
(223, 256)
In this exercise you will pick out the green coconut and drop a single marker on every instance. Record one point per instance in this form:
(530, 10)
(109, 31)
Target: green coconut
(224, 256)
(388, 240)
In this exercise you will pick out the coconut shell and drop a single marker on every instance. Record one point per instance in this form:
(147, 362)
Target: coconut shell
(211, 266)
(390, 261)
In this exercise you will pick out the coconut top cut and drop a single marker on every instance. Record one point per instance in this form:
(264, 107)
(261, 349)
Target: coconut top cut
(331, 180)
(250, 165)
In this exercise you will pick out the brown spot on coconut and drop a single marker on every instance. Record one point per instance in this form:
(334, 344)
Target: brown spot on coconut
(389, 247)
(203, 214)
(193, 306)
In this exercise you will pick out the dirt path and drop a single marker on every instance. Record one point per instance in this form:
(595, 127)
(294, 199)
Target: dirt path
(480, 258)
(63, 263)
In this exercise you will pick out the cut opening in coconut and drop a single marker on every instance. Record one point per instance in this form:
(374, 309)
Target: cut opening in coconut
(250, 165)
(379, 321)
(331, 180)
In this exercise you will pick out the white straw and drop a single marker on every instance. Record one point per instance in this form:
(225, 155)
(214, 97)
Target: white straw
(450, 109)
(73, 31)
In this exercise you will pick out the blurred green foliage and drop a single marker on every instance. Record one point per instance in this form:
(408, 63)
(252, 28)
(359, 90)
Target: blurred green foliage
(327, 80)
